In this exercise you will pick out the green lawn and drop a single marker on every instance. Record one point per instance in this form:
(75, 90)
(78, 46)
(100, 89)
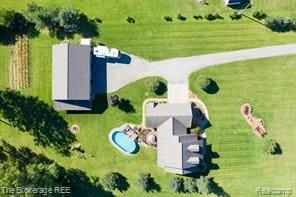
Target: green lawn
(269, 85)
(154, 39)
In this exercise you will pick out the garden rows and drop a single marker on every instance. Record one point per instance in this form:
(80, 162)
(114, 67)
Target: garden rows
(19, 73)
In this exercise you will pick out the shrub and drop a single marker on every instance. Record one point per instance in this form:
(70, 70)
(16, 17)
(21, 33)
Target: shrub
(235, 15)
(144, 181)
(130, 20)
(280, 24)
(209, 85)
(190, 185)
(205, 83)
(176, 184)
(153, 85)
(113, 181)
(204, 185)
(69, 19)
(197, 17)
(114, 100)
(259, 14)
(213, 16)
(271, 147)
(168, 18)
(14, 22)
(181, 17)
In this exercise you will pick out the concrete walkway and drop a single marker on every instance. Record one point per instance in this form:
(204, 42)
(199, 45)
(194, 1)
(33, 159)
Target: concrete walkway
(177, 70)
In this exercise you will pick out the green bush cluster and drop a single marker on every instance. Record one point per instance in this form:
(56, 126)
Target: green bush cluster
(153, 84)
(130, 20)
(280, 24)
(235, 15)
(168, 18)
(213, 16)
(203, 185)
(259, 14)
(271, 147)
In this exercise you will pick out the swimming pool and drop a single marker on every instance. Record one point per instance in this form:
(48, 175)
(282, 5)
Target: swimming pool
(123, 142)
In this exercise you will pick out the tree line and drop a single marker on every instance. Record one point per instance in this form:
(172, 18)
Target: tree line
(58, 21)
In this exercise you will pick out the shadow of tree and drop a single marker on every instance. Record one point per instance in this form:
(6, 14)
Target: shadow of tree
(154, 187)
(21, 26)
(126, 106)
(29, 114)
(124, 185)
(161, 89)
(212, 88)
(88, 28)
(218, 190)
(278, 149)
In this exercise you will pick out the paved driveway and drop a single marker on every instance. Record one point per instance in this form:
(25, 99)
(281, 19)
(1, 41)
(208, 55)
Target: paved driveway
(177, 70)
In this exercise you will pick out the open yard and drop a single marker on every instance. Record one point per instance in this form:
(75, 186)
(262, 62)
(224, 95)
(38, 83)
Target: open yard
(152, 38)
(240, 166)
(268, 84)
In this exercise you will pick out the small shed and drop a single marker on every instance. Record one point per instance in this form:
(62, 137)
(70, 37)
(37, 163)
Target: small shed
(85, 41)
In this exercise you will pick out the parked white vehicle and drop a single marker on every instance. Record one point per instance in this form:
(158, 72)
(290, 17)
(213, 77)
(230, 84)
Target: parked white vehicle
(103, 52)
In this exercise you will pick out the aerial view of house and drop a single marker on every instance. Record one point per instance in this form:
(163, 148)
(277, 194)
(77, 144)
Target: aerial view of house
(147, 98)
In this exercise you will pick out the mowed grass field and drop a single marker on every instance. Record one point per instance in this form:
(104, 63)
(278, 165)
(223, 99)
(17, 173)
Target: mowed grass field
(269, 86)
(152, 38)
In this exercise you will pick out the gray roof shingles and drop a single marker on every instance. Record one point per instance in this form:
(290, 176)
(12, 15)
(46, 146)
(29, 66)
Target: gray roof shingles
(172, 121)
(71, 75)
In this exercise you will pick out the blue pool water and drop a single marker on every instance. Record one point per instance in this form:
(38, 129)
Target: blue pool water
(124, 142)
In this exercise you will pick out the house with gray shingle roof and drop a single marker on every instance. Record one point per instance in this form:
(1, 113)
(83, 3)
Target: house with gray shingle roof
(71, 77)
(177, 151)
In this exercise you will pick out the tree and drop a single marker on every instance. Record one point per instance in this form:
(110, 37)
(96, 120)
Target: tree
(29, 114)
(168, 18)
(35, 14)
(280, 24)
(271, 147)
(204, 185)
(14, 22)
(153, 84)
(181, 17)
(114, 180)
(176, 184)
(11, 175)
(144, 181)
(190, 185)
(69, 19)
(259, 14)
(22, 167)
(205, 83)
(235, 15)
(114, 100)
(213, 16)
(130, 20)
